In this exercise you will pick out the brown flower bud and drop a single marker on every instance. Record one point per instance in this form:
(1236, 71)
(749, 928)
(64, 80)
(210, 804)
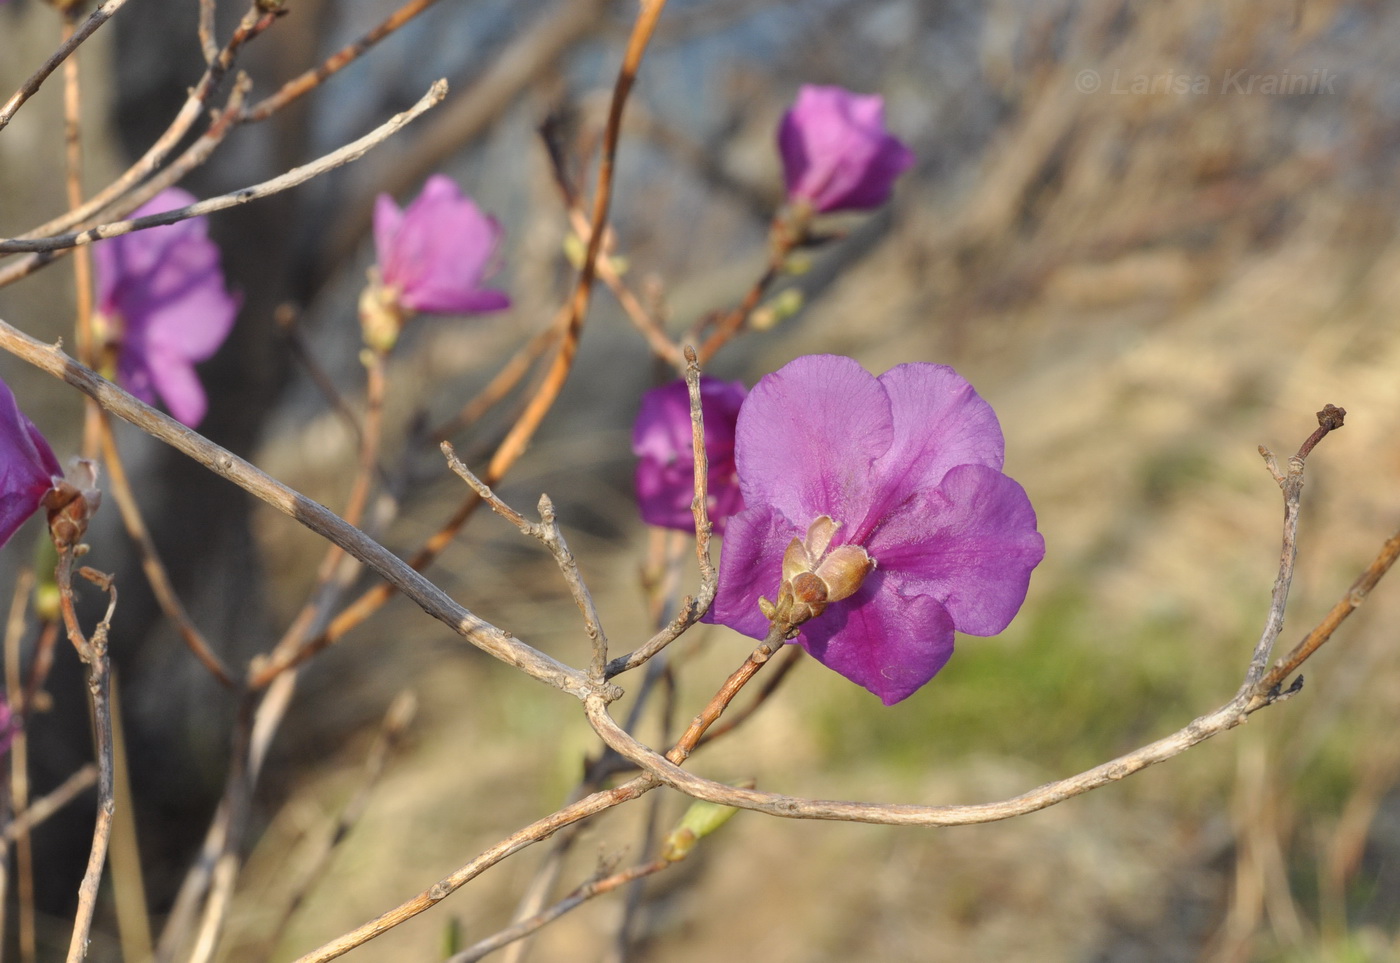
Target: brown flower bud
(814, 577)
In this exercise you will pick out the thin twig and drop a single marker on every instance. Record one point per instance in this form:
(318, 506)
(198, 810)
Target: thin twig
(391, 732)
(589, 890)
(570, 323)
(93, 652)
(1290, 483)
(692, 608)
(45, 806)
(533, 833)
(36, 80)
(342, 58)
(550, 535)
(156, 575)
(296, 176)
(792, 654)
(253, 23)
(21, 705)
(500, 385)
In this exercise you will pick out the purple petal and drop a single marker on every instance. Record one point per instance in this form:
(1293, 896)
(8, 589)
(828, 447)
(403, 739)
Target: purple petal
(661, 439)
(808, 437)
(836, 152)
(939, 422)
(388, 220)
(174, 379)
(971, 543)
(750, 566)
(881, 639)
(439, 250)
(163, 291)
(27, 466)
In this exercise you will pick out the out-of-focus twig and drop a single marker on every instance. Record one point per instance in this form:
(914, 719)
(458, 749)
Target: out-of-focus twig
(151, 564)
(21, 707)
(254, 22)
(391, 732)
(589, 890)
(306, 82)
(45, 806)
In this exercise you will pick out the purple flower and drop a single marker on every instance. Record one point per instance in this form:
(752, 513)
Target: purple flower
(9, 722)
(28, 468)
(666, 472)
(877, 509)
(837, 155)
(162, 307)
(434, 255)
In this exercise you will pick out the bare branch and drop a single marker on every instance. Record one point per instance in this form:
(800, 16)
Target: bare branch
(31, 86)
(297, 175)
(313, 515)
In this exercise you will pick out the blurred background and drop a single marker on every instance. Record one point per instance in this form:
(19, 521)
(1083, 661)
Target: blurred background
(1154, 237)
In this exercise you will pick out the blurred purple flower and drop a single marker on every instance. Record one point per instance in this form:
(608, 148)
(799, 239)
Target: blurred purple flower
(837, 155)
(884, 495)
(9, 722)
(162, 306)
(434, 255)
(666, 473)
(28, 467)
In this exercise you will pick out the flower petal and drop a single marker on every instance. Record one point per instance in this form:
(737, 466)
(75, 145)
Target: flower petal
(750, 566)
(939, 422)
(808, 436)
(882, 639)
(971, 543)
(174, 379)
(27, 465)
(836, 152)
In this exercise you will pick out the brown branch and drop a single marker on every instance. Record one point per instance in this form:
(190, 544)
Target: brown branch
(45, 806)
(70, 43)
(691, 608)
(570, 323)
(533, 833)
(254, 22)
(93, 652)
(304, 83)
(296, 176)
(313, 515)
(156, 575)
(550, 535)
(1235, 712)
(589, 890)
(538, 50)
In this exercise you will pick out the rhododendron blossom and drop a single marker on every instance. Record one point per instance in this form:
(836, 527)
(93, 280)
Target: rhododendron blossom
(28, 468)
(162, 307)
(661, 438)
(837, 155)
(877, 520)
(434, 254)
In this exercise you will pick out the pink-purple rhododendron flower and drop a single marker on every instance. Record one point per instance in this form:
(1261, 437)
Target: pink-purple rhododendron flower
(28, 468)
(837, 155)
(162, 307)
(889, 492)
(434, 255)
(661, 438)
